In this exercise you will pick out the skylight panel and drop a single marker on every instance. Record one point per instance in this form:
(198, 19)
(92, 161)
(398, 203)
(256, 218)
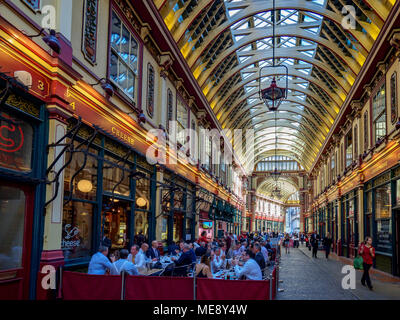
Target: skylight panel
(232, 12)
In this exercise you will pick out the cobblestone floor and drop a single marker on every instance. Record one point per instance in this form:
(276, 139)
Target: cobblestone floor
(307, 278)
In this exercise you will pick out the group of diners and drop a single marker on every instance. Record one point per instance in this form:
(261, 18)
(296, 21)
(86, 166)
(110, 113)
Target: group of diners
(208, 259)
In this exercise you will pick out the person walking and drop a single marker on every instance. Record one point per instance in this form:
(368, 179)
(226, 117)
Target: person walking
(286, 243)
(314, 244)
(327, 243)
(367, 252)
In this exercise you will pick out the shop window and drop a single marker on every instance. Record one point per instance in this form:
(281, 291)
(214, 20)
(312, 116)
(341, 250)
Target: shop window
(355, 136)
(112, 176)
(12, 223)
(115, 221)
(349, 150)
(379, 114)
(193, 141)
(343, 157)
(384, 235)
(208, 149)
(123, 58)
(142, 194)
(383, 202)
(170, 107)
(141, 223)
(150, 90)
(85, 183)
(182, 117)
(164, 228)
(77, 230)
(369, 202)
(16, 138)
(366, 139)
(398, 192)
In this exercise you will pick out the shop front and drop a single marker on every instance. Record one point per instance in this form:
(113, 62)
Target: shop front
(22, 171)
(178, 209)
(382, 219)
(349, 224)
(107, 196)
(332, 222)
(204, 201)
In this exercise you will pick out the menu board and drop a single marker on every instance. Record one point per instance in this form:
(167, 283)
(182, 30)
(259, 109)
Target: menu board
(384, 236)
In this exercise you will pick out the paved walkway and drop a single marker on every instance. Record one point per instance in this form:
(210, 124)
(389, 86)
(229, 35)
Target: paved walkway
(307, 278)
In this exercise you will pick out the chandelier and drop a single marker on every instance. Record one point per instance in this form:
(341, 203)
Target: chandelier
(273, 95)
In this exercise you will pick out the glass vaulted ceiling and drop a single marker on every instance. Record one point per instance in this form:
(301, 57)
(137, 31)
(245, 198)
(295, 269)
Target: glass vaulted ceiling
(225, 43)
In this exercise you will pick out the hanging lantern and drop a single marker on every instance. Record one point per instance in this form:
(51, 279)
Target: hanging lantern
(85, 186)
(273, 96)
(141, 202)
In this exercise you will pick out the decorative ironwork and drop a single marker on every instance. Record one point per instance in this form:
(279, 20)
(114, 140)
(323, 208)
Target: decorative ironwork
(11, 83)
(170, 101)
(23, 104)
(393, 97)
(150, 90)
(67, 147)
(89, 42)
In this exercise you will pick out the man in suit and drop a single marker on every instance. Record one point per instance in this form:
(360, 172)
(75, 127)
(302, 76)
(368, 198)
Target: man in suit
(258, 256)
(202, 250)
(173, 249)
(184, 260)
(153, 252)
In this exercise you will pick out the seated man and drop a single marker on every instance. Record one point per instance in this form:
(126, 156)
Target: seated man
(191, 250)
(141, 259)
(264, 251)
(218, 261)
(99, 263)
(268, 246)
(173, 249)
(123, 264)
(258, 256)
(134, 251)
(251, 270)
(184, 260)
(202, 250)
(153, 252)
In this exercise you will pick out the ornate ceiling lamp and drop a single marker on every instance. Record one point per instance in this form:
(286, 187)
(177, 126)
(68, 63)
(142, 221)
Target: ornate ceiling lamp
(273, 95)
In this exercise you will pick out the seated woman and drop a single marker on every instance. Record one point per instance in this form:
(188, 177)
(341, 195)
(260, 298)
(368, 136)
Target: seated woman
(203, 269)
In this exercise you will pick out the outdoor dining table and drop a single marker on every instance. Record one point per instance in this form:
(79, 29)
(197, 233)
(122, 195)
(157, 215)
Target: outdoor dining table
(225, 274)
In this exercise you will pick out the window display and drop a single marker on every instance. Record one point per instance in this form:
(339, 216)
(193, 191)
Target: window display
(12, 221)
(85, 183)
(383, 202)
(115, 176)
(16, 139)
(115, 221)
(77, 230)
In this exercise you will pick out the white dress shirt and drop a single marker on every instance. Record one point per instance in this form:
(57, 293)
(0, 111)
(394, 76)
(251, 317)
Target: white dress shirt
(140, 261)
(218, 264)
(251, 270)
